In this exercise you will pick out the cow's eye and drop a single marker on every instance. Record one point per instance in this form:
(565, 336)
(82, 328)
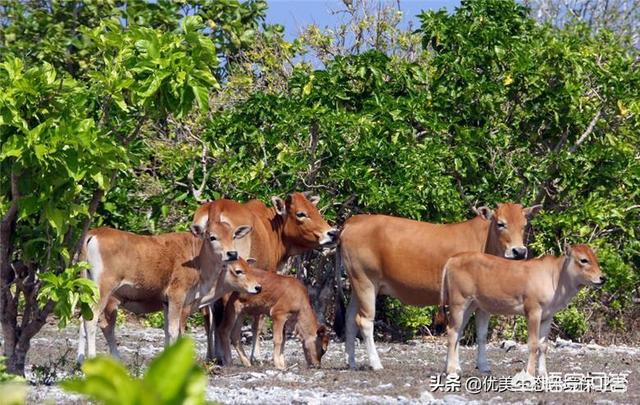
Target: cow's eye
(212, 238)
(584, 261)
(238, 272)
(501, 225)
(301, 214)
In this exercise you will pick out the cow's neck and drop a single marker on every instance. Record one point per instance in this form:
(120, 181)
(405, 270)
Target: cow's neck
(490, 243)
(277, 252)
(563, 281)
(307, 325)
(209, 266)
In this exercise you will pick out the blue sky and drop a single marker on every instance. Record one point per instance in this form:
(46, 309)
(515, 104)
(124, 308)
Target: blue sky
(295, 14)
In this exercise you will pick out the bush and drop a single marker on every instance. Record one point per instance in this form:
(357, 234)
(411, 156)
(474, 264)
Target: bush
(406, 321)
(572, 323)
(172, 378)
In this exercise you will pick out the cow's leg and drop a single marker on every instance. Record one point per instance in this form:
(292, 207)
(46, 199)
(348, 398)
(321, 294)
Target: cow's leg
(459, 314)
(208, 322)
(225, 332)
(236, 341)
(82, 342)
(533, 330)
(256, 330)
(218, 311)
(107, 286)
(350, 332)
(279, 337)
(109, 326)
(174, 316)
(545, 325)
(482, 328)
(366, 292)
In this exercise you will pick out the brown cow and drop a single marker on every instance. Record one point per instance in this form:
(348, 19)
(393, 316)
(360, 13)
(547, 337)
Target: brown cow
(286, 300)
(536, 288)
(176, 271)
(291, 227)
(404, 259)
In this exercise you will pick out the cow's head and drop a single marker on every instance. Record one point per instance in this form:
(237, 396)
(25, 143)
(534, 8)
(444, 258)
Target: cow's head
(221, 235)
(241, 277)
(583, 266)
(316, 346)
(304, 226)
(506, 231)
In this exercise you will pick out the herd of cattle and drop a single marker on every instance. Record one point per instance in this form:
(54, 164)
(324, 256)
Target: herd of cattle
(227, 268)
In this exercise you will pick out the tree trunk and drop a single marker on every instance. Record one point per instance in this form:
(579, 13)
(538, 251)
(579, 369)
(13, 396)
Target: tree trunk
(8, 307)
(16, 361)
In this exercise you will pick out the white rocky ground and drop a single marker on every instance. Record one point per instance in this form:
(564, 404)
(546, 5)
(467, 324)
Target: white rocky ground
(405, 379)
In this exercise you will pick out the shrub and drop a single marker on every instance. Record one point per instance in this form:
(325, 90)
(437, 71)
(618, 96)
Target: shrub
(572, 323)
(172, 378)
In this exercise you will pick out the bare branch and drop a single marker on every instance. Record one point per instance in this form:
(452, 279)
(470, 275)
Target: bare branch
(587, 131)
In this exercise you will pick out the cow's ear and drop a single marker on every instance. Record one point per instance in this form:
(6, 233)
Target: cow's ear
(567, 249)
(314, 199)
(485, 212)
(242, 231)
(199, 227)
(533, 210)
(251, 261)
(279, 205)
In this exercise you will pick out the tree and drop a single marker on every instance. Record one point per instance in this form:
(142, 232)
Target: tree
(619, 16)
(64, 142)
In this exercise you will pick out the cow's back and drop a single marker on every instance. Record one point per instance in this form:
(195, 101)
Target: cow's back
(146, 262)
(277, 290)
(404, 258)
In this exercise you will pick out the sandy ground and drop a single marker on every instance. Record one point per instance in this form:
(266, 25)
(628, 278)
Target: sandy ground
(409, 375)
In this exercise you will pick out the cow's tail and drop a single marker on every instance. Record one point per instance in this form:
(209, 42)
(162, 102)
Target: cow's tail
(84, 273)
(83, 257)
(339, 321)
(440, 322)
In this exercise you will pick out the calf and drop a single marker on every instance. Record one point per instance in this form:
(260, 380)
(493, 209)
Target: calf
(285, 299)
(177, 272)
(403, 258)
(536, 288)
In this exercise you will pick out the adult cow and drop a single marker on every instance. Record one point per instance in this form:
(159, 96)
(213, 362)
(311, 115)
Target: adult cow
(290, 227)
(403, 258)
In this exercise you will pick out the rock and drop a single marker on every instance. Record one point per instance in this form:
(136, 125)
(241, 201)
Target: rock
(426, 396)
(508, 345)
(567, 344)
(385, 386)
(455, 399)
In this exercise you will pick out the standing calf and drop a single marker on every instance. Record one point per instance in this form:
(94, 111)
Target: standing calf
(177, 272)
(536, 288)
(285, 299)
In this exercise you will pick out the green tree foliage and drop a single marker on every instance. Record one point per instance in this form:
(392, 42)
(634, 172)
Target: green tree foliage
(505, 109)
(65, 138)
(172, 378)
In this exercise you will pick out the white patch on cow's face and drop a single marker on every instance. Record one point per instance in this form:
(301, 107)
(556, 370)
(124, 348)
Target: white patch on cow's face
(95, 259)
(224, 219)
(215, 244)
(329, 237)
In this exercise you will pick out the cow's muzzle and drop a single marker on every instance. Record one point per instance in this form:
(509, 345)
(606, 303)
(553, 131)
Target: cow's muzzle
(231, 256)
(516, 253)
(330, 237)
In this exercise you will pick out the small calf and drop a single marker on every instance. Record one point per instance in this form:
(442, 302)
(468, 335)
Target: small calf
(286, 300)
(536, 288)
